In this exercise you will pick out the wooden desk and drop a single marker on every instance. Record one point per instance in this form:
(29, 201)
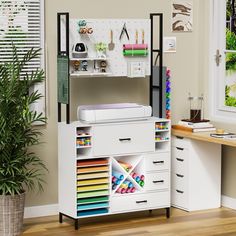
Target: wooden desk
(204, 136)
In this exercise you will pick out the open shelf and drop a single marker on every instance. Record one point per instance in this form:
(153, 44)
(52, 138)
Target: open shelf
(122, 167)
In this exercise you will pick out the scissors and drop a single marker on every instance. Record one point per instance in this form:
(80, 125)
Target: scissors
(124, 31)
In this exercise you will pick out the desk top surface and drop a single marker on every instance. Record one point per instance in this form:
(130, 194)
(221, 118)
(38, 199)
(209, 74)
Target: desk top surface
(204, 136)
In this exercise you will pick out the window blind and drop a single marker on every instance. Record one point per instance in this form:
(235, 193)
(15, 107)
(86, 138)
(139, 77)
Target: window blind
(21, 23)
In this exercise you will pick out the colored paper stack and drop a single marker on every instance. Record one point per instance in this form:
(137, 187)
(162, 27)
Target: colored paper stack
(125, 165)
(126, 187)
(135, 49)
(168, 90)
(138, 178)
(116, 179)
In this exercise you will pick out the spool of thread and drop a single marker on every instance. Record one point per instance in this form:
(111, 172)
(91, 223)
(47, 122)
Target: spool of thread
(128, 190)
(121, 190)
(130, 185)
(125, 186)
(133, 190)
(118, 175)
(141, 183)
(137, 179)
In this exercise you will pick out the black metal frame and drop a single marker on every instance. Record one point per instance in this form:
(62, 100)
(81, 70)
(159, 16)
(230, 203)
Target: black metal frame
(64, 54)
(160, 56)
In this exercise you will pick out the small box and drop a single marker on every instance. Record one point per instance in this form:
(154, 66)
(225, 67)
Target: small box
(136, 69)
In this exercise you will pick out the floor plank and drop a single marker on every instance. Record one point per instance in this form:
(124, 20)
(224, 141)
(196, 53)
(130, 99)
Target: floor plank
(218, 222)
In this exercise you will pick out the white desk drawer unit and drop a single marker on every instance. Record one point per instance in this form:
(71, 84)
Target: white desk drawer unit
(139, 201)
(195, 175)
(123, 139)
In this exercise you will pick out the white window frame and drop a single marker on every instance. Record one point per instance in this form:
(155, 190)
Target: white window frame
(40, 105)
(218, 111)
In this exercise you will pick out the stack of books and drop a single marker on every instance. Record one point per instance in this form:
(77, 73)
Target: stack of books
(194, 127)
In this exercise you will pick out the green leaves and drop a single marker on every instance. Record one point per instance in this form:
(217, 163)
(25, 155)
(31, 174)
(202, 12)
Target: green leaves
(19, 168)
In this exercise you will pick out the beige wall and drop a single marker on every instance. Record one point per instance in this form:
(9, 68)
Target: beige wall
(189, 72)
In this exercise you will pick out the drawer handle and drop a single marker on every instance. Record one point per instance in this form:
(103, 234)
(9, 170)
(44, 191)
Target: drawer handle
(181, 149)
(158, 181)
(181, 176)
(179, 137)
(158, 162)
(178, 191)
(125, 139)
(138, 202)
(179, 159)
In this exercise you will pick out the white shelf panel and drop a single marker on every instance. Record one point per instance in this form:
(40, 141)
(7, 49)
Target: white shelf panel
(162, 130)
(89, 74)
(81, 147)
(162, 141)
(89, 59)
(83, 136)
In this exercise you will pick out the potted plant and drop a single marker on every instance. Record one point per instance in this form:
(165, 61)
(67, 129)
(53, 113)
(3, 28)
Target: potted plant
(20, 168)
(101, 49)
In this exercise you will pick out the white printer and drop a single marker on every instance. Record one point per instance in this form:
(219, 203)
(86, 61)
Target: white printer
(113, 112)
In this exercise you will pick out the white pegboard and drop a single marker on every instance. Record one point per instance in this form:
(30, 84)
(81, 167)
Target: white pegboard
(117, 63)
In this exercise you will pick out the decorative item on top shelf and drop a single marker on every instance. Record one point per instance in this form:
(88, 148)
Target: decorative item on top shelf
(84, 65)
(168, 94)
(83, 28)
(103, 66)
(79, 50)
(101, 49)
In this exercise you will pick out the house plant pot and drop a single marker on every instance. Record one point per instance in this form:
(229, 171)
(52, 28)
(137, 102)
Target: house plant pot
(20, 168)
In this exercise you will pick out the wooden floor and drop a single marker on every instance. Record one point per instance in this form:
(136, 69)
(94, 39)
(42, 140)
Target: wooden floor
(213, 222)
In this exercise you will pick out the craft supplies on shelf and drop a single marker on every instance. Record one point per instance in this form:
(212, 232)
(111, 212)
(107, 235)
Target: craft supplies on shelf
(92, 186)
(168, 94)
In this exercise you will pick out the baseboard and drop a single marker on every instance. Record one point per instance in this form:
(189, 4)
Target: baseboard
(228, 202)
(39, 211)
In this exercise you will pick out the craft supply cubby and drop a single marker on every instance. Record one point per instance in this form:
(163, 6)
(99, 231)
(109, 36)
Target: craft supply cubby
(116, 168)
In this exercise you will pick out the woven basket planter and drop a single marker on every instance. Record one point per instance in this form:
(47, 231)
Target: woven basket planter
(11, 214)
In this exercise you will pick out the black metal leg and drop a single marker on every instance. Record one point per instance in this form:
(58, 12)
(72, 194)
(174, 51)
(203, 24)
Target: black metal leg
(60, 217)
(76, 224)
(150, 211)
(168, 212)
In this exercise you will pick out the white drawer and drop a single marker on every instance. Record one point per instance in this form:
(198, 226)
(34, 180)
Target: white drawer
(179, 159)
(157, 181)
(179, 181)
(181, 142)
(123, 139)
(179, 198)
(140, 201)
(156, 162)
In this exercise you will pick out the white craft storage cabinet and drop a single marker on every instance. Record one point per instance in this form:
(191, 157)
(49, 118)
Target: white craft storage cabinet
(113, 168)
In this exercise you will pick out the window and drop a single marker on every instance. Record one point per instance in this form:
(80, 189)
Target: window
(223, 60)
(21, 22)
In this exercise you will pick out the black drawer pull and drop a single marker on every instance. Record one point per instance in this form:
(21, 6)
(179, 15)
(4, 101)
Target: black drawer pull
(181, 176)
(179, 159)
(181, 149)
(179, 137)
(158, 162)
(145, 201)
(178, 191)
(124, 139)
(158, 181)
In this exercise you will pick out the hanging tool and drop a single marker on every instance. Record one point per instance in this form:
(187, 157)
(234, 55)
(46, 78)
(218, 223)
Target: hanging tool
(111, 45)
(136, 37)
(124, 31)
(142, 36)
